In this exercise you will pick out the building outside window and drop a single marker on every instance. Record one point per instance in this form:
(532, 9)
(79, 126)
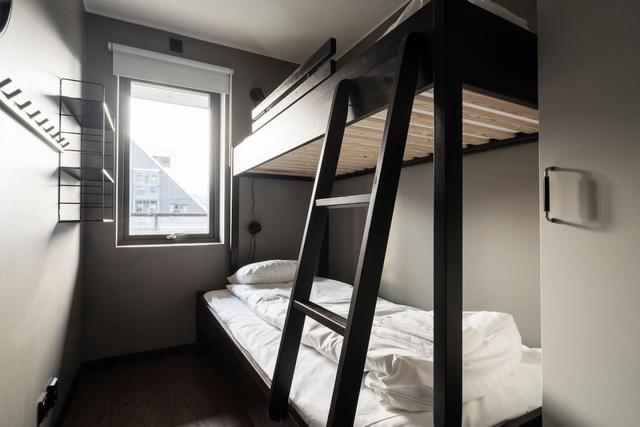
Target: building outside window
(146, 206)
(178, 208)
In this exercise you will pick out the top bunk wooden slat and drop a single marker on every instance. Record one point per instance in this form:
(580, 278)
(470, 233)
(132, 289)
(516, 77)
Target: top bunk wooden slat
(500, 99)
(494, 121)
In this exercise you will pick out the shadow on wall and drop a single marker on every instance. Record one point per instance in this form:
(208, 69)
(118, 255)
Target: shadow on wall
(559, 415)
(70, 359)
(68, 332)
(62, 229)
(58, 13)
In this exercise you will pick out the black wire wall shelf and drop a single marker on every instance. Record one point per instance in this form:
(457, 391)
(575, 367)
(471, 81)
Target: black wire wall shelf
(89, 113)
(87, 173)
(86, 167)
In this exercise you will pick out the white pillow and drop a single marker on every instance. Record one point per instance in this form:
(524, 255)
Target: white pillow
(272, 271)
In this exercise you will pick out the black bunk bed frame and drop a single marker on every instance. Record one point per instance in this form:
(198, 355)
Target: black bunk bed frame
(460, 45)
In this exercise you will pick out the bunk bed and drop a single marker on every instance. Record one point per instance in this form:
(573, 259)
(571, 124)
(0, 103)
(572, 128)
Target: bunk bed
(470, 80)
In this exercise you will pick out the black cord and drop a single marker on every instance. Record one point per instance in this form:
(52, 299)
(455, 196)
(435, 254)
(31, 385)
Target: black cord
(253, 199)
(252, 248)
(252, 237)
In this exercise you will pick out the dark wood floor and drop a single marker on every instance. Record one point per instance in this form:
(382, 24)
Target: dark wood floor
(181, 390)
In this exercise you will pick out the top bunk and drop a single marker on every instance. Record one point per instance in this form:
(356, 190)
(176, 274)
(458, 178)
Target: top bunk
(499, 68)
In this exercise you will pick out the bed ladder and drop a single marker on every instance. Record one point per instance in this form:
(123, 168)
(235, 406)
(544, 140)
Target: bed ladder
(356, 328)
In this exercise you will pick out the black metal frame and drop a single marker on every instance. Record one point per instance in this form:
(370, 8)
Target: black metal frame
(301, 74)
(496, 57)
(309, 254)
(447, 217)
(92, 118)
(468, 46)
(234, 226)
(378, 223)
(123, 236)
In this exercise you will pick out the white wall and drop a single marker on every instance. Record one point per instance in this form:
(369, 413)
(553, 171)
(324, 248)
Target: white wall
(40, 292)
(501, 241)
(589, 89)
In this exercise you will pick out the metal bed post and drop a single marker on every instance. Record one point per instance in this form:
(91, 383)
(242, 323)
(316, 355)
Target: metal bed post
(447, 241)
(234, 187)
(102, 164)
(234, 229)
(59, 152)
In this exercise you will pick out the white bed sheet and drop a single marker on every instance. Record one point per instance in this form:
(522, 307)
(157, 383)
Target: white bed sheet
(315, 374)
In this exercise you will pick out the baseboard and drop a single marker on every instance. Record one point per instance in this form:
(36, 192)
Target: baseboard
(136, 357)
(114, 361)
(61, 415)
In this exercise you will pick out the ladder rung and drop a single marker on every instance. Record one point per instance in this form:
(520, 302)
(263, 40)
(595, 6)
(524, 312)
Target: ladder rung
(331, 320)
(356, 201)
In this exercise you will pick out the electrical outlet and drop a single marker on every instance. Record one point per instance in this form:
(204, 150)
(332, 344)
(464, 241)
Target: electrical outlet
(47, 400)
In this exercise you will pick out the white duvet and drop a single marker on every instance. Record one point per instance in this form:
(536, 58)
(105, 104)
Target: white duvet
(399, 366)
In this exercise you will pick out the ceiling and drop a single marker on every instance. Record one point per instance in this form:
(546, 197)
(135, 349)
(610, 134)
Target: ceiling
(285, 29)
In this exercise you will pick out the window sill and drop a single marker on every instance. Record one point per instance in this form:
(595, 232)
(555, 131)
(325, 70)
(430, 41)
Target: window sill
(166, 245)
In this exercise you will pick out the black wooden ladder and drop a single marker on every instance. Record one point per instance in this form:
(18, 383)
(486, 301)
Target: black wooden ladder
(356, 328)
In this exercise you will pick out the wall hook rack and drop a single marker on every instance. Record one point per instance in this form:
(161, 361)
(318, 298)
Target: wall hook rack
(14, 101)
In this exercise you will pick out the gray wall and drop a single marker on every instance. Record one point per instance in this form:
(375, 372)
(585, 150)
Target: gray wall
(589, 91)
(501, 240)
(281, 208)
(524, 8)
(141, 298)
(40, 310)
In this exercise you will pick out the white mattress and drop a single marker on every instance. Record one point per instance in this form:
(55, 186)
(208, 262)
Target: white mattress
(314, 377)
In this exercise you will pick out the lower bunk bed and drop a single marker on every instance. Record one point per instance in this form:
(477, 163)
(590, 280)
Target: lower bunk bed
(248, 346)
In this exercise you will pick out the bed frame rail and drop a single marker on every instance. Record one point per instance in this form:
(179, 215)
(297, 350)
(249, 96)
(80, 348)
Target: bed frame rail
(216, 339)
(326, 51)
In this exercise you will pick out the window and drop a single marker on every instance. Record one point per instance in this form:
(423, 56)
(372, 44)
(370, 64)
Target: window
(164, 161)
(169, 164)
(145, 206)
